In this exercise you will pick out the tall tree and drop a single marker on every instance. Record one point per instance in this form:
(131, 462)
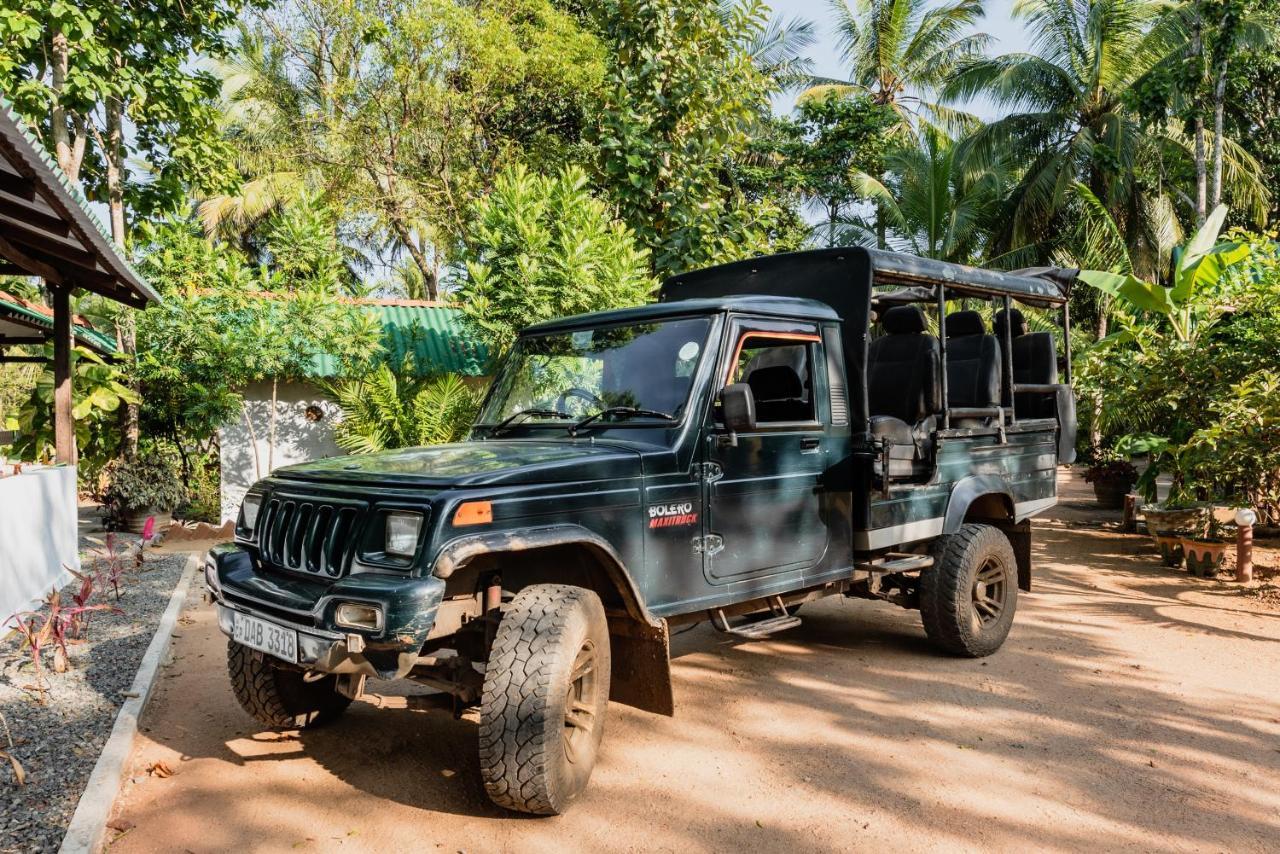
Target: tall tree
(1074, 114)
(399, 113)
(939, 205)
(108, 83)
(682, 90)
(901, 51)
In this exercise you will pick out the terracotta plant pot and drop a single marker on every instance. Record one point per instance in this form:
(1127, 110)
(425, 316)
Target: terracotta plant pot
(1204, 557)
(1171, 551)
(1111, 492)
(133, 521)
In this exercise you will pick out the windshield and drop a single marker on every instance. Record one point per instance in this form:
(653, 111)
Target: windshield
(566, 376)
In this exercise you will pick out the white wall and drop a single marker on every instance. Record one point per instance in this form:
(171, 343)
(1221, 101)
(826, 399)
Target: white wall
(297, 439)
(39, 535)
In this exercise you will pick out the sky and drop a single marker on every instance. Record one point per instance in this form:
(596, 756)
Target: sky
(1007, 36)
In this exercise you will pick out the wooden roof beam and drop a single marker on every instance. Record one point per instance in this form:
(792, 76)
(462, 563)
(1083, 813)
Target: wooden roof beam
(33, 266)
(23, 235)
(26, 214)
(16, 185)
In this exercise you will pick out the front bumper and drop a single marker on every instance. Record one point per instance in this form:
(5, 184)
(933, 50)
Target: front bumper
(237, 583)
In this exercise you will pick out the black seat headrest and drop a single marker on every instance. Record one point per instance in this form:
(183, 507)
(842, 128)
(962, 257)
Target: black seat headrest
(776, 382)
(903, 320)
(960, 323)
(1012, 316)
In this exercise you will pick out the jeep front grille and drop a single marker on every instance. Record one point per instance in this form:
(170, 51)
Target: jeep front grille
(317, 537)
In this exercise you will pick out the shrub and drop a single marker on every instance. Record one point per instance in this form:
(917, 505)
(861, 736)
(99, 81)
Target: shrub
(544, 247)
(149, 482)
(383, 409)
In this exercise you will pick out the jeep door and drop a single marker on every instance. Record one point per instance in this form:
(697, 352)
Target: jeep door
(763, 488)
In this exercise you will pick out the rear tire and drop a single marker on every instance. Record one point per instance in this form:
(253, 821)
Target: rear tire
(546, 689)
(277, 695)
(969, 596)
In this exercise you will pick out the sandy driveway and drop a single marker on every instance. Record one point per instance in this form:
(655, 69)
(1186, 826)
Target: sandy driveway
(1132, 707)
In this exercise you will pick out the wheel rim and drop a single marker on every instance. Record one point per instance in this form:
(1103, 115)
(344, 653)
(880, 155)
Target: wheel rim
(579, 704)
(988, 593)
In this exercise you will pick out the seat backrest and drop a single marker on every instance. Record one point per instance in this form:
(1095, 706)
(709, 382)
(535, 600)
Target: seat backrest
(973, 362)
(779, 394)
(1035, 355)
(902, 367)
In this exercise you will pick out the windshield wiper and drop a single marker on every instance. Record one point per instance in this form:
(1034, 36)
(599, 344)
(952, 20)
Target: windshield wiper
(618, 411)
(509, 421)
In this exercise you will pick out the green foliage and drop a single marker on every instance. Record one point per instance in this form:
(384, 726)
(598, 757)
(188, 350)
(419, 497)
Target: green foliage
(401, 113)
(1237, 455)
(148, 483)
(1192, 302)
(810, 158)
(681, 92)
(902, 51)
(223, 324)
(938, 203)
(393, 409)
(1181, 399)
(98, 391)
(139, 55)
(544, 247)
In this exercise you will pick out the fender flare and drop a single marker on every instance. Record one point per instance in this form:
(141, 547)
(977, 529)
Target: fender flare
(458, 552)
(970, 489)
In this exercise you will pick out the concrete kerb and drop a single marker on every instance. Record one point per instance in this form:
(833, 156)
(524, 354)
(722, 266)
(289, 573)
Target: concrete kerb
(88, 825)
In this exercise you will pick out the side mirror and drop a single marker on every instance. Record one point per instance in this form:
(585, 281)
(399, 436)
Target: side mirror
(739, 406)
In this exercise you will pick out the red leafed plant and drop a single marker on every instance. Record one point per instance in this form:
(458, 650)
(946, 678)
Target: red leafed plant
(54, 625)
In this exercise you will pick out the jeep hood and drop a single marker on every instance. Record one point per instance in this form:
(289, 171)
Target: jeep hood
(475, 463)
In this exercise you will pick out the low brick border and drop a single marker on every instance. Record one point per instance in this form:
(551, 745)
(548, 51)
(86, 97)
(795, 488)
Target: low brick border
(88, 825)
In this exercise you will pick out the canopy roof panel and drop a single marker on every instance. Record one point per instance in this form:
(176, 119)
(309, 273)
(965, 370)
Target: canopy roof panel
(22, 321)
(47, 228)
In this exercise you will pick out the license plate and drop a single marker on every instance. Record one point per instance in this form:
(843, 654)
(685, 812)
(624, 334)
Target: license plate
(264, 636)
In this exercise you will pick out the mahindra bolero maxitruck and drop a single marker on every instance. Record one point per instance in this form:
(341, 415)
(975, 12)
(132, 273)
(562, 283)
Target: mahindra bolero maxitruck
(838, 422)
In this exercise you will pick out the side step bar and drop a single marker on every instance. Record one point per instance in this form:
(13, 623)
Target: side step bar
(757, 629)
(897, 563)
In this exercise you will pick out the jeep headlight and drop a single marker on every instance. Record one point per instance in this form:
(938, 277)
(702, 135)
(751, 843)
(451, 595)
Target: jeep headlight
(249, 512)
(402, 532)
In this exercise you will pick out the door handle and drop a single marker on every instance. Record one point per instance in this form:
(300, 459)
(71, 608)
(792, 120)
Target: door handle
(809, 444)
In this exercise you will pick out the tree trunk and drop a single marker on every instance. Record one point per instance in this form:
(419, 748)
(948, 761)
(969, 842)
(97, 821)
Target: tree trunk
(115, 168)
(1201, 174)
(68, 150)
(428, 270)
(1095, 423)
(126, 329)
(1219, 96)
(1196, 52)
(271, 431)
(253, 440)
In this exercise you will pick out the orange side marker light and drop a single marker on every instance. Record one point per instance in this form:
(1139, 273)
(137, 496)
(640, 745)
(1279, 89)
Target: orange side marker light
(473, 513)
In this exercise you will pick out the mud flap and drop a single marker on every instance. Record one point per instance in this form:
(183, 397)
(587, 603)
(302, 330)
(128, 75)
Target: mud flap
(1020, 538)
(641, 672)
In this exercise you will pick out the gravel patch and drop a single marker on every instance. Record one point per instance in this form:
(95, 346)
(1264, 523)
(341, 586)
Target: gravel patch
(58, 741)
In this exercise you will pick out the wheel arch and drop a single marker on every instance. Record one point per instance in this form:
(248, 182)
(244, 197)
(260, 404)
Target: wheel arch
(571, 554)
(987, 498)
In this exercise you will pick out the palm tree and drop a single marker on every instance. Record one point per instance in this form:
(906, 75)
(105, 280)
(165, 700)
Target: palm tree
(1069, 115)
(936, 204)
(901, 51)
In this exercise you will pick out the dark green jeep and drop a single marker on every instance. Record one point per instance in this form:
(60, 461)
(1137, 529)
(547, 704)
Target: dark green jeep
(771, 432)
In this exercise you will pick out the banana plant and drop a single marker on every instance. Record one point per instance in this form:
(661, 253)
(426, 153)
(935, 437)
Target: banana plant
(1199, 268)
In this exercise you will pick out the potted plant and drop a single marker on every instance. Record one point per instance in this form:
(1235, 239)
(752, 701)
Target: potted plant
(140, 489)
(1112, 479)
(1204, 553)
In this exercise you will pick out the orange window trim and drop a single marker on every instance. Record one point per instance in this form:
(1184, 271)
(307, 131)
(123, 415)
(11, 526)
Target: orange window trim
(773, 336)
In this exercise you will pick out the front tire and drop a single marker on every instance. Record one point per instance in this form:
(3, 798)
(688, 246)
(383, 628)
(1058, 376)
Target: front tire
(278, 696)
(546, 689)
(969, 596)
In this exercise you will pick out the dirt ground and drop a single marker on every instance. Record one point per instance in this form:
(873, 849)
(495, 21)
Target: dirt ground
(1133, 707)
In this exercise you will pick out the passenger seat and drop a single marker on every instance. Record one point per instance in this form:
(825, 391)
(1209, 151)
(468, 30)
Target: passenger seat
(1035, 362)
(903, 390)
(973, 368)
